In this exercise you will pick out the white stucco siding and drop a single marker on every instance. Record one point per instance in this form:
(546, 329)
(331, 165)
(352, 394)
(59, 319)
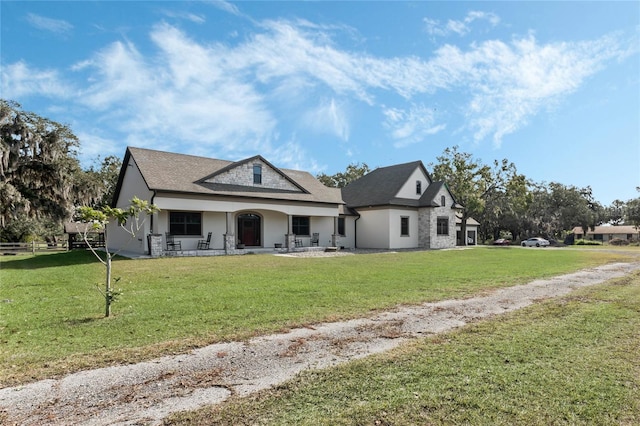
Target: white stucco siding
(274, 228)
(232, 205)
(408, 190)
(348, 239)
(325, 227)
(133, 185)
(373, 229)
(396, 240)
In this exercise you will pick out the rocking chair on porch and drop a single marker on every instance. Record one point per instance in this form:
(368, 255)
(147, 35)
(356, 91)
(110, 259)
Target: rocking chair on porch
(204, 244)
(315, 239)
(172, 244)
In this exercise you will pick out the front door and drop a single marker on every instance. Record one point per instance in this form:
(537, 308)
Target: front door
(249, 230)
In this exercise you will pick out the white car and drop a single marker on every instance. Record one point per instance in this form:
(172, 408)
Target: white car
(535, 242)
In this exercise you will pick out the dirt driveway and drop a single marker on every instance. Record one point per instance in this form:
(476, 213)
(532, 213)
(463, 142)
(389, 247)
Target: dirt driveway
(146, 392)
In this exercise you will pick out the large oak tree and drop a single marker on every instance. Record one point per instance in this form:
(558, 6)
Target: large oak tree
(41, 181)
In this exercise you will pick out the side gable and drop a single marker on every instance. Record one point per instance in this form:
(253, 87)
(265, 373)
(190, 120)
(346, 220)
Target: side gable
(379, 187)
(419, 179)
(242, 173)
(396, 186)
(432, 196)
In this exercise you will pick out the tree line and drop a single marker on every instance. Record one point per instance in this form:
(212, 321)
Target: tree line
(509, 205)
(42, 184)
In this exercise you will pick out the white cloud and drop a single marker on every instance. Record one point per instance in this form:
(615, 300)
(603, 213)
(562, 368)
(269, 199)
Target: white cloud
(93, 146)
(328, 117)
(226, 6)
(407, 127)
(461, 28)
(293, 156)
(198, 19)
(185, 95)
(509, 84)
(20, 81)
(218, 98)
(57, 26)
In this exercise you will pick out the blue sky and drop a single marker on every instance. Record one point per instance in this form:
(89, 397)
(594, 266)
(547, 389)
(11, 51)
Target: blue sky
(553, 87)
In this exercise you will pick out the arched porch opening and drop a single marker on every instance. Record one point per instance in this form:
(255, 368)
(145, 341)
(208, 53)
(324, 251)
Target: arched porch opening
(249, 229)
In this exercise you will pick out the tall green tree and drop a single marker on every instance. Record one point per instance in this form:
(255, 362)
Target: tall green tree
(556, 209)
(472, 183)
(632, 213)
(41, 181)
(354, 171)
(615, 212)
(38, 167)
(97, 185)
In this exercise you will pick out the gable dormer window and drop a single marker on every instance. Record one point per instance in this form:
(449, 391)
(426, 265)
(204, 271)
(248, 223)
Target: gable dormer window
(257, 174)
(418, 187)
(443, 200)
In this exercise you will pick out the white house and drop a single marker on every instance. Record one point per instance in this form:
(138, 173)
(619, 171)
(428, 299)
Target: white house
(253, 204)
(401, 207)
(249, 202)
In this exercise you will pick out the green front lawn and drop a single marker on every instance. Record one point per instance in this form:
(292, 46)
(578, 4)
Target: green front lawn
(51, 313)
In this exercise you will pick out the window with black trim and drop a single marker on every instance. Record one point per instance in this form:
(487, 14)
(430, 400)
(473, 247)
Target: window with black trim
(443, 200)
(257, 174)
(185, 223)
(341, 230)
(442, 226)
(300, 225)
(418, 187)
(404, 226)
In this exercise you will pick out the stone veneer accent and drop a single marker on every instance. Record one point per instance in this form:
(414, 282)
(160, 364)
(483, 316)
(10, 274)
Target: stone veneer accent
(243, 175)
(229, 243)
(155, 245)
(424, 227)
(428, 228)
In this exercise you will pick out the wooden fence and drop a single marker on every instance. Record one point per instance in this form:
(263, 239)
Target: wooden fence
(33, 247)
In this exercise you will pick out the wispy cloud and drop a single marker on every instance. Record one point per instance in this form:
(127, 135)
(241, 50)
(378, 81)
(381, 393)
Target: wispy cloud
(410, 126)
(226, 6)
(198, 19)
(459, 27)
(328, 117)
(219, 99)
(20, 81)
(57, 26)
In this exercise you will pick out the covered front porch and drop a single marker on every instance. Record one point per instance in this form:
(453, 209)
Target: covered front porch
(182, 232)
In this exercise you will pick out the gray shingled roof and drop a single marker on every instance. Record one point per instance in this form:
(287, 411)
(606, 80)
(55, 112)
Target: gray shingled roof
(379, 188)
(180, 173)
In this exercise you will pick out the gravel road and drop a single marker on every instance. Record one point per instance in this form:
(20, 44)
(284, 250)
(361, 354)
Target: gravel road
(147, 392)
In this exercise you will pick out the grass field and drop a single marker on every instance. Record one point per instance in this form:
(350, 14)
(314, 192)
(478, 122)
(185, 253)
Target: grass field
(568, 361)
(51, 314)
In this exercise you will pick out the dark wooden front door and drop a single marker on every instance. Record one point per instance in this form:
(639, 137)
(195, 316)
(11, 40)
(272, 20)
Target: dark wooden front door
(249, 231)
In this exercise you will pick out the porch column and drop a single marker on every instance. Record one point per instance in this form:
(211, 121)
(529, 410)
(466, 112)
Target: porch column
(290, 238)
(335, 237)
(229, 236)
